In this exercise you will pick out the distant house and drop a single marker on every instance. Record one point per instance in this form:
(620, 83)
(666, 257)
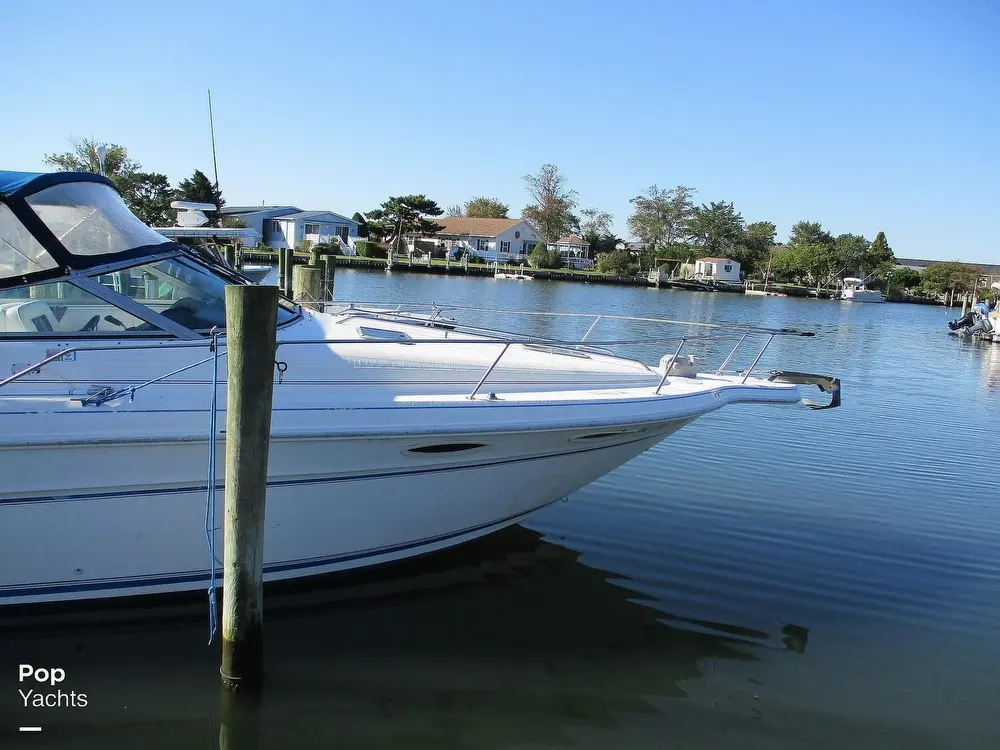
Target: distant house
(288, 226)
(503, 240)
(574, 251)
(717, 269)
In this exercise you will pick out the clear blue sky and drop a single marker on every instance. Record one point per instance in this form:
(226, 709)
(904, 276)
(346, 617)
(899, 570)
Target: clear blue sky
(865, 116)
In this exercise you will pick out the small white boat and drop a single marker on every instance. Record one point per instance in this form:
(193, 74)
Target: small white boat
(519, 276)
(395, 431)
(854, 290)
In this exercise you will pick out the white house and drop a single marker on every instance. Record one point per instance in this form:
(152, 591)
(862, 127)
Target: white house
(574, 251)
(503, 240)
(287, 226)
(717, 269)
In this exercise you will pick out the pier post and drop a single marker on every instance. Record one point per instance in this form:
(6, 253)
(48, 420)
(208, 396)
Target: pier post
(288, 288)
(281, 268)
(309, 287)
(251, 328)
(231, 256)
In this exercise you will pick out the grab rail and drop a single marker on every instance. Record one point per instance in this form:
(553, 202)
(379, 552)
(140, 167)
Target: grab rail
(403, 312)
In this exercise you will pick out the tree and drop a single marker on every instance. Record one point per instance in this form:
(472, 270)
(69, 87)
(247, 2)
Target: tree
(402, 215)
(618, 262)
(596, 230)
(455, 209)
(199, 189)
(756, 243)
(148, 195)
(716, 228)
(83, 158)
(905, 278)
(659, 216)
(486, 208)
(879, 259)
(542, 257)
(551, 213)
(851, 251)
(949, 277)
(815, 250)
(362, 224)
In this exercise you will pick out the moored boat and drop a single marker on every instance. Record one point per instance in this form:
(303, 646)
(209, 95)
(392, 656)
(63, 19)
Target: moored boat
(396, 431)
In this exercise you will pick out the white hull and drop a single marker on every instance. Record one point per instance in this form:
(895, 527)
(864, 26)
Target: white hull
(332, 505)
(862, 295)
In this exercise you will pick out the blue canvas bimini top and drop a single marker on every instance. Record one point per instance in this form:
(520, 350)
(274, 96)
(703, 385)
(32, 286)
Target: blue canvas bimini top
(15, 185)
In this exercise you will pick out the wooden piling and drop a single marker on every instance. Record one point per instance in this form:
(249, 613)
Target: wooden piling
(288, 287)
(281, 268)
(251, 328)
(309, 287)
(231, 255)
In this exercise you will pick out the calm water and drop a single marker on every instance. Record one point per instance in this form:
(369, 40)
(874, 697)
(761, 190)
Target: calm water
(767, 577)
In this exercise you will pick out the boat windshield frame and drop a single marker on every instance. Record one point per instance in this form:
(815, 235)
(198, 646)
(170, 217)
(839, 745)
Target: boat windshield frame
(81, 270)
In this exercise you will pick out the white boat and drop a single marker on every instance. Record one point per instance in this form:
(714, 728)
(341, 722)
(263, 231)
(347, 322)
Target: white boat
(854, 290)
(520, 275)
(395, 432)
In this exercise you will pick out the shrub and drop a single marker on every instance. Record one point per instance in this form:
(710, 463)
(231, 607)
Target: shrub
(616, 262)
(367, 249)
(541, 257)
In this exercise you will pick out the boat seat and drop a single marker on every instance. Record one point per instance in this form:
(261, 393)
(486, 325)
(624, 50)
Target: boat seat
(33, 316)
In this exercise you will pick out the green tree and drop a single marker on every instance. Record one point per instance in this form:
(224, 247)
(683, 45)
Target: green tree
(716, 229)
(659, 217)
(199, 189)
(815, 251)
(851, 251)
(551, 211)
(542, 257)
(753, 247)
(402, 215)
(879, 259)
(618, 262)
(595, 229)
(809, 233)
(905, 278)
(486, 208)
(949, 277)
(362, 224)
(148, 195)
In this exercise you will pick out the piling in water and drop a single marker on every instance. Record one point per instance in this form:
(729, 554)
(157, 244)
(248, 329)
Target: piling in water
(231, 255)
(289, 271)
(308, 287)
(281, 268)
(251, 328)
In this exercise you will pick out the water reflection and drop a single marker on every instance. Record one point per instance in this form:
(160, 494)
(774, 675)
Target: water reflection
(509, 640)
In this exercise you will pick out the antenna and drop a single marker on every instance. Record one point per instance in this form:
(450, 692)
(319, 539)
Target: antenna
(211, 123)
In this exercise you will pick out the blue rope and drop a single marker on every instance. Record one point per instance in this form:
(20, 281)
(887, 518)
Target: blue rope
(210, 500)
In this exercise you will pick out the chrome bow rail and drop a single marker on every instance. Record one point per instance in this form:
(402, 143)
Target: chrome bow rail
(433, 316)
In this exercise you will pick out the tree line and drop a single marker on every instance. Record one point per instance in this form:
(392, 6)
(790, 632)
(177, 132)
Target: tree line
(667, 222)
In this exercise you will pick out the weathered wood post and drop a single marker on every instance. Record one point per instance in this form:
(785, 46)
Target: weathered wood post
(309, 287)
(251, 328)
(288, 288)
(281, 268)
(231, 256)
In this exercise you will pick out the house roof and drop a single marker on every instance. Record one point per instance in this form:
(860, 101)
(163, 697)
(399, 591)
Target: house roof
(477, 227)
(571, 239)
(311, 214)
(716, 260)
(233, 210)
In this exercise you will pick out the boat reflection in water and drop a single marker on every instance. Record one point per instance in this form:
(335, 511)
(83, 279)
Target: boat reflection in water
(508, 641)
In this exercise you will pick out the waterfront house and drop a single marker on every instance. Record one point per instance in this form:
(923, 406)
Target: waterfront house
(717, 269)
(574, 251)
(289, 226)
(501, 240)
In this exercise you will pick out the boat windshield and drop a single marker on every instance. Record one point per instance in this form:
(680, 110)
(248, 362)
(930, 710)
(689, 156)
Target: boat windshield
(20, 253)
(90, 218)
(180, 290)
